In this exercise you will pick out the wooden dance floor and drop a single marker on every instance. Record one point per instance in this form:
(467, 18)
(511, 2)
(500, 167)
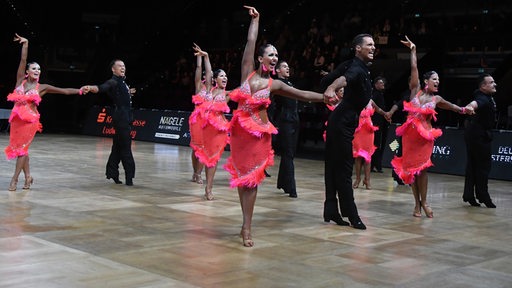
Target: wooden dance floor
(74, 228)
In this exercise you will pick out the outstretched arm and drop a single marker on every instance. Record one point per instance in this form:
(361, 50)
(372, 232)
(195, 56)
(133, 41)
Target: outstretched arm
(96, 88)
(443, 104)
(415, 81)
(45, 88)
(20, 75)
(283, 89)
(473, 105)
(250, 46)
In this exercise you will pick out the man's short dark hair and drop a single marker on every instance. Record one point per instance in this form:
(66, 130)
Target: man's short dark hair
(379, 78)
(480, 80)
(358, 40)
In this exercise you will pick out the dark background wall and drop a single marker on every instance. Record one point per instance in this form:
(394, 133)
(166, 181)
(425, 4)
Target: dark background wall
(74, 42)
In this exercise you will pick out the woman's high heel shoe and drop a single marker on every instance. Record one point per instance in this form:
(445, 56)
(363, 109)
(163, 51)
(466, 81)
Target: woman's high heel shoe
(356, 183)
(197, 178)
(417, 212)
(246, 238)
(13, 185)
(428, 211)
(367, 184)
(208, 195)
(28, 182)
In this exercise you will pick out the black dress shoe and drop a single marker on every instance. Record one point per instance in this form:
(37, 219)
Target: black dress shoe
(116, 180)
(293, 194)
(129, 181)
(338, 220)
(489, 204)
(472, 202)
(398, 180)
(358, 224)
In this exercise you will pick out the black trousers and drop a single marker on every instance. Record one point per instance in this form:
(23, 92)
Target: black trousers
(121, 147)
(478, 166)
(379, 141)
(287, 140)
(339, 163)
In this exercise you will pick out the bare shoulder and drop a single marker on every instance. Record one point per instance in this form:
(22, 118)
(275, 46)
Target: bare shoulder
(276, 85)
(438, 98)
(43, 88)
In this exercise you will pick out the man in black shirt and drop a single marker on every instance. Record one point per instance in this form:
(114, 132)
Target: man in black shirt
(287, 122)
(122, 119)
(342, 123)
(478, 137)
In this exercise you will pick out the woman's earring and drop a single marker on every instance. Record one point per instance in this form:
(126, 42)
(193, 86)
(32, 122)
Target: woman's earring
(264, 68)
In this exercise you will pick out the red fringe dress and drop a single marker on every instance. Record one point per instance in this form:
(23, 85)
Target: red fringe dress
(24, 120)
(209, 127)
(418, 138)
(196, 121)
(362, 144)
(250, 137)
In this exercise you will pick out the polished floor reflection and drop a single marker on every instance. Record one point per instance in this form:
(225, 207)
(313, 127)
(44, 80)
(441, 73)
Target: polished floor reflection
(74, 228)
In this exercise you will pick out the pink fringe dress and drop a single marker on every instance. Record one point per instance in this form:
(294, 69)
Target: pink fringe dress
(24, 120)
(209, 127)
(362, 144)
(250, 137)
(196, 121)
(418, 138)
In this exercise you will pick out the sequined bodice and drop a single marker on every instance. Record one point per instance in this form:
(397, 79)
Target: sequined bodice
(22, 97)
(428, 105)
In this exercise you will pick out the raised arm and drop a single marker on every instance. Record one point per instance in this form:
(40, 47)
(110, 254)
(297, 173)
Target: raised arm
(20, 75)
(208, 71)
(198, 73)
(415, 80)
(250, 46)
(199, 70)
